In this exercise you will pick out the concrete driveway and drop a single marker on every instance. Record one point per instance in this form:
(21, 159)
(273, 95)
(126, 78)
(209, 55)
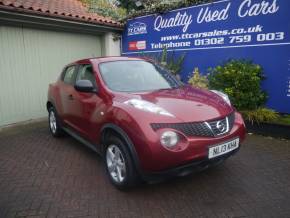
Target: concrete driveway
(41, 176)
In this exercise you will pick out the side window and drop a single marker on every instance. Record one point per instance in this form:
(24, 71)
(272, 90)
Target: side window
(69, 75)
(85, 72)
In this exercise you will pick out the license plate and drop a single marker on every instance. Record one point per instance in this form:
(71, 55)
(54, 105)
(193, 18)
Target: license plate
(224, 148)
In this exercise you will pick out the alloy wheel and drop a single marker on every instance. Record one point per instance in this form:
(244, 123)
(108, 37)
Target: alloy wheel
(52, 122)
(116, 163)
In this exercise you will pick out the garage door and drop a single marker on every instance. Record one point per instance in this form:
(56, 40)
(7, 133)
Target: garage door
(30, 59)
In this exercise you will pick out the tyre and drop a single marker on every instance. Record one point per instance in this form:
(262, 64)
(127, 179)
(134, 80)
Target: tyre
(54, 124)
(119, 164)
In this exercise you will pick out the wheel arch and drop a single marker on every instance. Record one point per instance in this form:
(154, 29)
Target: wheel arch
(49, 104)
(111, 128)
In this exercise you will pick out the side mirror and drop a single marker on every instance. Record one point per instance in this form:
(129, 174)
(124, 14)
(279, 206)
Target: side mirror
(85, 86)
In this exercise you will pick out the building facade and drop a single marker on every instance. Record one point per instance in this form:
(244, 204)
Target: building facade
(37, 38)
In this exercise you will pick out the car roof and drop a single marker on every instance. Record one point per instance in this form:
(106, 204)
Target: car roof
(109, 58)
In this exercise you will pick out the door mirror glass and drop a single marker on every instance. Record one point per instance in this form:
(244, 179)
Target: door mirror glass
(85, 86)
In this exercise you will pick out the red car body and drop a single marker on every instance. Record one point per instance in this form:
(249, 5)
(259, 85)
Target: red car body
(89, 116)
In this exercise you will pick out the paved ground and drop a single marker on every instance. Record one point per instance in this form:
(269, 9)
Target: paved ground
(41, 176)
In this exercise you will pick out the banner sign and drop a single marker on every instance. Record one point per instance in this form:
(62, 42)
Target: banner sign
(213, 33)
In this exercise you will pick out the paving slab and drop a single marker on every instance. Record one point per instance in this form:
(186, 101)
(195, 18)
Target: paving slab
(41, 176)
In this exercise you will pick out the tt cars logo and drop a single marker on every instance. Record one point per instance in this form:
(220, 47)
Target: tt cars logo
(137, 28)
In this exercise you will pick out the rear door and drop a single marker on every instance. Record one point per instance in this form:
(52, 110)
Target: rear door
(66, 90)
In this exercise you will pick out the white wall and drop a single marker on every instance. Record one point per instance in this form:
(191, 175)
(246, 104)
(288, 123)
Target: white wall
(30, 59)
(110, 46)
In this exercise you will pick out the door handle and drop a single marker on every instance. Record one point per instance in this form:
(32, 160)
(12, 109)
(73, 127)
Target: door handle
(70, 97)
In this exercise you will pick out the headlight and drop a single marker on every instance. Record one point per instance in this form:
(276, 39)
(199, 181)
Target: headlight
(223, 95)
(148, 106)
(169, 139)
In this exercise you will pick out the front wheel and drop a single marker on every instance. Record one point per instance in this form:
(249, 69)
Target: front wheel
(119, 164)
(54, 124)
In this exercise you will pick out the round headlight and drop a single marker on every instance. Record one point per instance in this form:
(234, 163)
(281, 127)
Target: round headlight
(169, 139)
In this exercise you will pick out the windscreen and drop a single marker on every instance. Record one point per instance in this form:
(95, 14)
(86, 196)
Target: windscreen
(136, 76)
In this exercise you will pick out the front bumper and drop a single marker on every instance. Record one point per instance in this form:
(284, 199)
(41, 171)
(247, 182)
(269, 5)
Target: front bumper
(184, 170)
(152, 157)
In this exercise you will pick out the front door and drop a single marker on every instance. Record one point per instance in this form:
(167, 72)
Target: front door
(86, 104)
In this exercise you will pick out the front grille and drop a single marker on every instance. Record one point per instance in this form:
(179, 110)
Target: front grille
(189, 129)
(210, 128)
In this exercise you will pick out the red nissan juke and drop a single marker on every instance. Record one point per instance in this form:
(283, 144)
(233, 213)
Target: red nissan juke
(144, 122)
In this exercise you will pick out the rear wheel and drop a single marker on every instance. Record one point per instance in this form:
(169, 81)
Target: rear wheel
(119, 165)
(54, 124)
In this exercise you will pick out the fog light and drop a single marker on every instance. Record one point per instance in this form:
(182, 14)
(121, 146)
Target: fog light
(169, 139)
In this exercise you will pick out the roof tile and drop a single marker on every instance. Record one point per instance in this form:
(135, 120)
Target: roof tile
(70, 9)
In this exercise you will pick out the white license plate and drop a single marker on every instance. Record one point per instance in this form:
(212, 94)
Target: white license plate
(224, 148)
